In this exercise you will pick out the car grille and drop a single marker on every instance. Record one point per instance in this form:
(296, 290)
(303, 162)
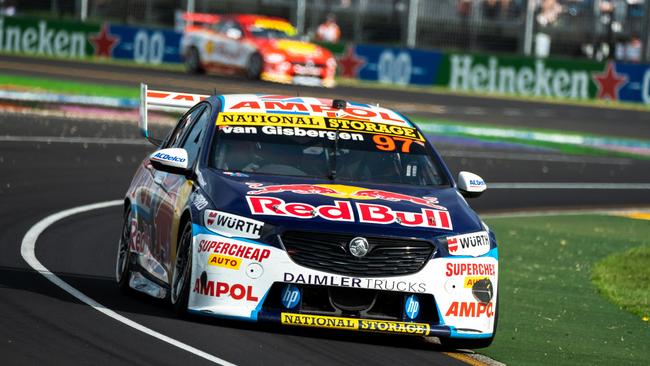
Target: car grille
(328, 252)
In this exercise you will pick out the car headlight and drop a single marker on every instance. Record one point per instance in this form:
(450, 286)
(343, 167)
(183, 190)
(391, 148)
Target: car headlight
(274, 58)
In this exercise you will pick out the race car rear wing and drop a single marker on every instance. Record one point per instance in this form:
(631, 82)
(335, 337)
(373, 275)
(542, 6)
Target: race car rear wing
(166, 101)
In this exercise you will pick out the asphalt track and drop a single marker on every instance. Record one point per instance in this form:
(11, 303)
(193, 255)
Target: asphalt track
(41, 324)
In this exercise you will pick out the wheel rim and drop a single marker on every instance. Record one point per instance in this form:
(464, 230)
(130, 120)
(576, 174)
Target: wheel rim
(181, 267)
(123, 249)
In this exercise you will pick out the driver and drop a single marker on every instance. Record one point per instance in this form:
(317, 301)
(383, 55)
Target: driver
(241, 156)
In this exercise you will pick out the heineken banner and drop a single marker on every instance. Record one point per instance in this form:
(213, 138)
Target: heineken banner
(46, 37)
(145, 45)
(67, 39)
(401, 66)
(506, 75)
(564, 79)
(519, 76)
(477, 73)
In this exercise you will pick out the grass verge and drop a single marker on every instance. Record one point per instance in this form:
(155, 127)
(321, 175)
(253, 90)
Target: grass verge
(624, 278)
(551, 313)
(26, 83)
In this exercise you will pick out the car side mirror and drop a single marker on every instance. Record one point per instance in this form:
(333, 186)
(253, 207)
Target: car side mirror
(470, 185)
(172, 160)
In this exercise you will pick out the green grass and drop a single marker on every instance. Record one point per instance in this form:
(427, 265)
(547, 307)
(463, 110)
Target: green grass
(103, 61)
(551, 313)
(66, 87)
(624, 278)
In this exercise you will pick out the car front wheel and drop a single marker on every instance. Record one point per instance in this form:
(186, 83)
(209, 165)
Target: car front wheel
(254, 66)
(123, 262)
(193, 61)
(180, 286)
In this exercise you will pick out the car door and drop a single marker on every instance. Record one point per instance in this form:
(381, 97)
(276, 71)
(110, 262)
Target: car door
(173, 190)
(230, 50)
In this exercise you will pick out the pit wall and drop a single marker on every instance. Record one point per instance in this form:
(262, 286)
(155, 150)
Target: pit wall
(463, 72)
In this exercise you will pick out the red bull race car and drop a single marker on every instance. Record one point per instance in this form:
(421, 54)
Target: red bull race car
(307, 212)
(259, 47)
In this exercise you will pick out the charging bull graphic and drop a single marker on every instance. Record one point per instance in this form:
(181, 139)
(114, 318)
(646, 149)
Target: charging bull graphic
(342, 191)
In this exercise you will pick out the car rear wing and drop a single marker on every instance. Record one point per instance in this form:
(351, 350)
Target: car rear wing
(165, 101)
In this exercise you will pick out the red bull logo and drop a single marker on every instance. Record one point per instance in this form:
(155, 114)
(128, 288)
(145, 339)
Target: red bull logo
(343, 211)
(342, 191)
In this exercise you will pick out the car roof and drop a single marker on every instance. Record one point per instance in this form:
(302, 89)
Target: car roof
(311, 106)
(250, 18)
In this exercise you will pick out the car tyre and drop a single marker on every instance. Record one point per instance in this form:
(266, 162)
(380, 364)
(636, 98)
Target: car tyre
(123, 262)
(254, 67)
(180, 286)
(455, 343)
(193, 61)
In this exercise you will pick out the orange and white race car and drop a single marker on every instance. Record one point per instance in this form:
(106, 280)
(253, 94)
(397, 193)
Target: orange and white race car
(259, 47)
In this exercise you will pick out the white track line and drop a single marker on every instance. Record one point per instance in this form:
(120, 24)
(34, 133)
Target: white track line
(27, 249)
(586, 185)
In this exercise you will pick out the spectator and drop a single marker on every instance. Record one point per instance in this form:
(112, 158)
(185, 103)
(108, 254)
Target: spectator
(549, 13)
(7, 8)
(491, 8)
(504, 9)
(464, 8)
(548, 16)
(629, 50)
(633, 49)
(329, 31)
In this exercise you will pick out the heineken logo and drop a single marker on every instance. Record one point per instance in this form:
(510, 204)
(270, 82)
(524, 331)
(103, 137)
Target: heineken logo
(55, 39)
(538, 80)
(42, 40)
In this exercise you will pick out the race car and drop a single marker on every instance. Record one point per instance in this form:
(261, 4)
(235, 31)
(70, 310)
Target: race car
(307, 212)
(259, 47)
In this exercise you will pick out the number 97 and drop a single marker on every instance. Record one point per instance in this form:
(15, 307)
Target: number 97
(387, 143)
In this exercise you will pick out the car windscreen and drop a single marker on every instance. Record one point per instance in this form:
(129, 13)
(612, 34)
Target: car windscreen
(336, 154)
(268, 28)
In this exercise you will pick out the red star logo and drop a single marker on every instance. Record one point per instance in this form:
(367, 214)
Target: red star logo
(104, 42)
(609, 82)
(350, 63)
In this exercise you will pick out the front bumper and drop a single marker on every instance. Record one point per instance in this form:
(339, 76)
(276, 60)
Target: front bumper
(299, 74)
(245, 279)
